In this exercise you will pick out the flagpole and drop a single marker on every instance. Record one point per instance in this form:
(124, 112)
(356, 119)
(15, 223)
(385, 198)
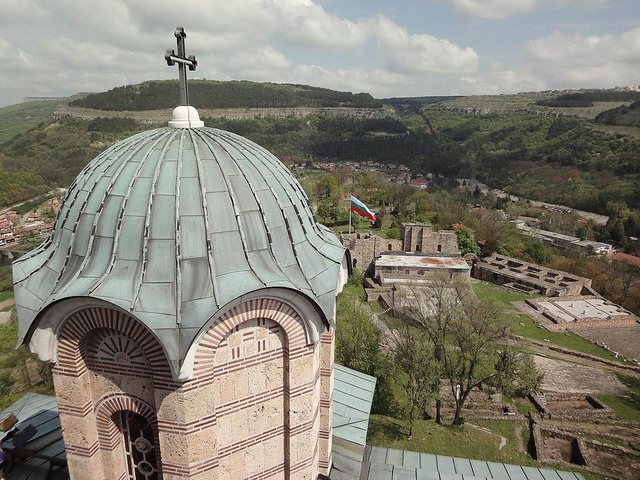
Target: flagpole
(350, 216)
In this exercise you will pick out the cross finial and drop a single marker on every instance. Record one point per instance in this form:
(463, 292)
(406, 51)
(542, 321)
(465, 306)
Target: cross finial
(181, 59)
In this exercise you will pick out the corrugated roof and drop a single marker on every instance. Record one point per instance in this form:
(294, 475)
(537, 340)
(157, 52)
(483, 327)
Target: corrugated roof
(171, 225)
(40, 411)
(391, 464)
(352, 398)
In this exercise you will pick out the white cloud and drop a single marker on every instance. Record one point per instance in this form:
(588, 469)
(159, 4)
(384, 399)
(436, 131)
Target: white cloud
(16, 11)
(504, 81)
(123, 41)
(376, 82)
(499, 9)
(421, 53)
(572, 59)
(492, 8)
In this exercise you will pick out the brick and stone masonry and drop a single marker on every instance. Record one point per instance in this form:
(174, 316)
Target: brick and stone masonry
(257, 406)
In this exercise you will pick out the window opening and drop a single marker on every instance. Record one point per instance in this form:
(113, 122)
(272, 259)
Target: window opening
(139, 447)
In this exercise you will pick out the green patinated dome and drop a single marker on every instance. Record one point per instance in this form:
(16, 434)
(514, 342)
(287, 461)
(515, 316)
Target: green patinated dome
(173, 224)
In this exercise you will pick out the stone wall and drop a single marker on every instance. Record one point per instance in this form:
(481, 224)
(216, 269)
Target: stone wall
(594, 411)
(506, 270)
(420, 237)
(365, 248)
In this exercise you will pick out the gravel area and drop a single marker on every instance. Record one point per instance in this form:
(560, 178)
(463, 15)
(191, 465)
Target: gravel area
(562, 376)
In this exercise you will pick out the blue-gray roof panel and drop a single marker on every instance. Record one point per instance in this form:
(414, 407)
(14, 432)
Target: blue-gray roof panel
(142, 201)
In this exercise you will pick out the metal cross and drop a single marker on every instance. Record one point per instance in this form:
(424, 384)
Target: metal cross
(182, 60)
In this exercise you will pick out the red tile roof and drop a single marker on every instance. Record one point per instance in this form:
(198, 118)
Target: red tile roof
(625, 256)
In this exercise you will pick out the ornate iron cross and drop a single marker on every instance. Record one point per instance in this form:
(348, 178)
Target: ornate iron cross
(182, 60)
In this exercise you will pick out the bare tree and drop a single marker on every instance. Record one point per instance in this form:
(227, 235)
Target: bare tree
(464, 330)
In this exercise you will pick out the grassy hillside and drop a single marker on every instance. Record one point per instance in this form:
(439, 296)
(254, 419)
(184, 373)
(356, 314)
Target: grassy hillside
(17, 118)
(153, 95)
(52, 154)
(624, 116)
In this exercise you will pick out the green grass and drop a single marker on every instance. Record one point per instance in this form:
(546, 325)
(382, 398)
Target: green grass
(489, 291)
(524, 406)
(464, 442)
(6, 295)
(524, 325)
(627, 407)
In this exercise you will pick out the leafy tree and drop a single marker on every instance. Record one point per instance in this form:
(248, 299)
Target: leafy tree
(358, 343)
(517, 373)
(467, 241)
(465, 332)
(413, 354)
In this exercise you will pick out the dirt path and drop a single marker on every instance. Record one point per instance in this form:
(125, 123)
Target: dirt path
(503, 440)
(7, 303)
(519, 443)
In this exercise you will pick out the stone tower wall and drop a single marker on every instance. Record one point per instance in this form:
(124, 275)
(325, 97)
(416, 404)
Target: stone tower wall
(421, 235)
(258, 404)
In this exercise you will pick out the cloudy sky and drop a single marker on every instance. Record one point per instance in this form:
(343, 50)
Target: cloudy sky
(388, 48)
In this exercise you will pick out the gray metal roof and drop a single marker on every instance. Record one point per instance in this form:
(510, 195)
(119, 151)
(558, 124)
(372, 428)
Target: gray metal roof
(391, 464)
(352, 398)
(171, 225)
(40, 411)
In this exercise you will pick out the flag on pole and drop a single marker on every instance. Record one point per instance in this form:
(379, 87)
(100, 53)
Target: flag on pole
(361, 209)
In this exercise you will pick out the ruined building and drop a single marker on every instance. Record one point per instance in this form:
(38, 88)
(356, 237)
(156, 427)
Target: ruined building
(418, 239)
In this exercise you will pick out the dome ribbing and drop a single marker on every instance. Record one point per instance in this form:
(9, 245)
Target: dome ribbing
(171, 225)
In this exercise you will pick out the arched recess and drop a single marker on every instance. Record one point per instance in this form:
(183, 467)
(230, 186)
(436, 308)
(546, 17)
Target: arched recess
(276, 420)
(120, 460)
(107, 362)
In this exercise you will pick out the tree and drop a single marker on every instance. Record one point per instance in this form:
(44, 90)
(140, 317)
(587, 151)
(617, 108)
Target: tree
(465, 332)
(517, 373)
(467, 241)
(629, 275)
(326, 185)
(413, 354)
(325, 210)
(358, 343)
(492, 233)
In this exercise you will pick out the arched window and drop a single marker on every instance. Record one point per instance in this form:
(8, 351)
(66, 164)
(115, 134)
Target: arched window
(418, 248)
(139, 446)
(389, 247)
(355, 262)
(358, 236)
(439, 248)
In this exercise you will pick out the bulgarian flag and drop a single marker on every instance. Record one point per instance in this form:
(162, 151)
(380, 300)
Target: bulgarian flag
(361, 209)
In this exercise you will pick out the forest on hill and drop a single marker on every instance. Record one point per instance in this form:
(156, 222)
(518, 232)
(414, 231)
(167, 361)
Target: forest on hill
(586, 99)
(559, 160)
(154, 95)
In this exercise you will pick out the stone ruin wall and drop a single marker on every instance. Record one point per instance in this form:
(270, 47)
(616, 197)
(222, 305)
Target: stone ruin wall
(442, 241)
(583, 323)
(596, 413)
(367, 248)
(583, 448)
(547, 280)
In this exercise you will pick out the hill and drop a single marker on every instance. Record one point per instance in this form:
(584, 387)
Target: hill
(154, 95)
(624, 116)
(17, 118)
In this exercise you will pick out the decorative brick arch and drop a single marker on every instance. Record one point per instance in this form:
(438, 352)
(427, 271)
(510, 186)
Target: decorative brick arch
(269, 309)
(73, 336)
(107, 405)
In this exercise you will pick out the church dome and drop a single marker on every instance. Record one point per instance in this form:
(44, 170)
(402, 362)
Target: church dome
(171, 225)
